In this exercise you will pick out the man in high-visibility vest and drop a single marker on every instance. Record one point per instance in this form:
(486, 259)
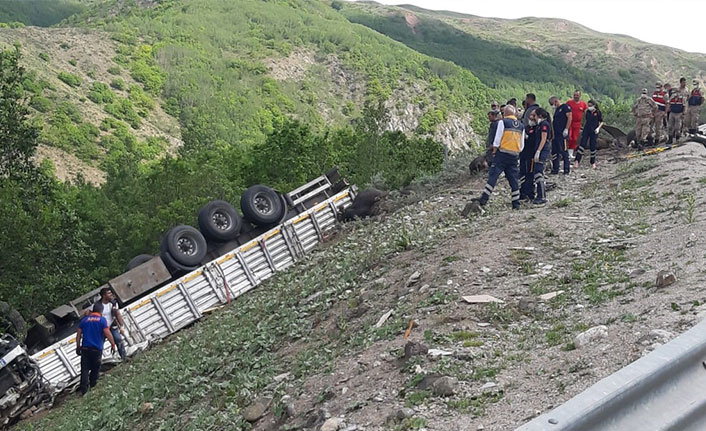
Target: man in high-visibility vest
(509, 141)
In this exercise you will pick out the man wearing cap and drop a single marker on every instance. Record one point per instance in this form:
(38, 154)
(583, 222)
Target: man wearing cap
(660, 98)
(644, 111)
(696, 99)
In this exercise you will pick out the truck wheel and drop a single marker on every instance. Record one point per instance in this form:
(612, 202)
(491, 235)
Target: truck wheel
(219, 221)
(137, 261)
(11, 321)
(175, 268)
(185, 244)
(262, 205)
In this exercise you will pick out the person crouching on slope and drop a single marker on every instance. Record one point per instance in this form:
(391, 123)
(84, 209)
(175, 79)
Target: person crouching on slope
(593, 122)
(509, 141)
(541, 153)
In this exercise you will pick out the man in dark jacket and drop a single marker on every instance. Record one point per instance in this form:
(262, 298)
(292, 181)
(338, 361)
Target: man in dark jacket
(90, 337)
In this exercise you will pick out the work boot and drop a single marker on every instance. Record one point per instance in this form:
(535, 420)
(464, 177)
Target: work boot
(692, 131)
(539, 201)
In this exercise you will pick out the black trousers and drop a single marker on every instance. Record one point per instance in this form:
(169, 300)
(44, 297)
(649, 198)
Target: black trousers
(90, 366)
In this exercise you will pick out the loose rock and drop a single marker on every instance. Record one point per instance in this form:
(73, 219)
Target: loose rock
(414, 349)
(256, 410)
(587, 337)
(413, 278)
(665, 278)
(332, 424)
(445, 386)
(472, 208)
(404, 413)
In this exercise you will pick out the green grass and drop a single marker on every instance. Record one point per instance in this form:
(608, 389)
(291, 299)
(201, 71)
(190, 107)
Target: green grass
(475, 405)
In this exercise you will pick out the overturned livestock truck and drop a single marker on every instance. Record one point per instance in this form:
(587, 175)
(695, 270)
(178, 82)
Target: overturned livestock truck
(196, 271)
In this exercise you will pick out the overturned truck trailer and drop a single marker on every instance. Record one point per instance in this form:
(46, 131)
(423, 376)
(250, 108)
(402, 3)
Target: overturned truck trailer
(163, 294)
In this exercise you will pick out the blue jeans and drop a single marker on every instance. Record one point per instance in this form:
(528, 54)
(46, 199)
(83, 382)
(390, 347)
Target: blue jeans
(507, 163)
(118, 338)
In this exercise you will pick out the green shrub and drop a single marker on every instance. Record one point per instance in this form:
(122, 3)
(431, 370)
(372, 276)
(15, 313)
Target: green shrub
(122, 109)
(73, 62)
(70, 79)
(118, 84)
(40, 103)
(100, 93)
(44, 56)
(114, 70)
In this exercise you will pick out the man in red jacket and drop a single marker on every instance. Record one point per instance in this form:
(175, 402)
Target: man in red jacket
(578, 107)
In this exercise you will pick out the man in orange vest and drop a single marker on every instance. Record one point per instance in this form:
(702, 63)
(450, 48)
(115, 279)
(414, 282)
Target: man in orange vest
(660, 98)
(578, 108)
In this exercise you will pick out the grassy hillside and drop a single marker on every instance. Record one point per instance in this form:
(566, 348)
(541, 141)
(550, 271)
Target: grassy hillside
(533, 49)
(42, 13)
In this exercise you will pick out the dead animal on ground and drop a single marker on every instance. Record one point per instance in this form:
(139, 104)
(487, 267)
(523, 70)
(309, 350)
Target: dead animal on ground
(366, 204)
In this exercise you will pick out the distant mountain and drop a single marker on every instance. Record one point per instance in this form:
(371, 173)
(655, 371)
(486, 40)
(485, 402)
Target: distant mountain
(537, 50)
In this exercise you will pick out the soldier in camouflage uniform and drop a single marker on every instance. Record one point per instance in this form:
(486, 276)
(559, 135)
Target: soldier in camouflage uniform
(644, 111)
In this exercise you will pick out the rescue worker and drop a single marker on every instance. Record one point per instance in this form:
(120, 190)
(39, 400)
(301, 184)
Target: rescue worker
(591, 128)
(560, 131)
(696, 99)
(543, 136)
(527, 160)
(675, 108)
(90, 335)
(660, 98)
(531, 104)
(509, 141)
(685, 94)
(578, 107)
(644, 111)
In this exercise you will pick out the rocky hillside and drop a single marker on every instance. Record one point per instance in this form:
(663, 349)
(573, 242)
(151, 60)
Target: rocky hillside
(224, 73)
(607, 64)
(383, 329)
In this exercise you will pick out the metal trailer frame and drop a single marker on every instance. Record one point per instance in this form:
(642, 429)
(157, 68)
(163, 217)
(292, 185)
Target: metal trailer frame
(184, 300)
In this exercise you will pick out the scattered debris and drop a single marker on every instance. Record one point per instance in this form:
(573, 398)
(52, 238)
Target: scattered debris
(587, 337)
(482, 299)
(665, 278)
(488, 386)
(404, 413)
(409, 329)
(146, 408)
(636, 273)
(550, 295)
(439, 352)
(579, 219)
(383, 319)
(522, 248)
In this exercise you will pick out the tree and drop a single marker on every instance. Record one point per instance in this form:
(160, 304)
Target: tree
(18, 137)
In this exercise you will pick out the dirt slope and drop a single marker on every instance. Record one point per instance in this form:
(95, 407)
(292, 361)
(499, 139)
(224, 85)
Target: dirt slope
(311, 349)
(602, 239)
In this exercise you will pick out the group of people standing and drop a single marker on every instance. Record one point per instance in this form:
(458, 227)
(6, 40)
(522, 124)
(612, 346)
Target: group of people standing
(521, 141)
(676, 109)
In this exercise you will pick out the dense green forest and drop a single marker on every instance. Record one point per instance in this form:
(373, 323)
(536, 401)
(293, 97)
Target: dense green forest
(42, 13)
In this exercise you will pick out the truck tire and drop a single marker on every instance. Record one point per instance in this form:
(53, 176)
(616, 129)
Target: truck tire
(12, 321)
(137, 261)
(185, 244)
(218, 220)
(262, 205)
(175, 268)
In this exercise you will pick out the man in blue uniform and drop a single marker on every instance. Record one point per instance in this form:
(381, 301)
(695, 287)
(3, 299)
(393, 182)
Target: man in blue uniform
(531, 101)
(562, 119)
(593, 121)
(509, 141)
(90, 336)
